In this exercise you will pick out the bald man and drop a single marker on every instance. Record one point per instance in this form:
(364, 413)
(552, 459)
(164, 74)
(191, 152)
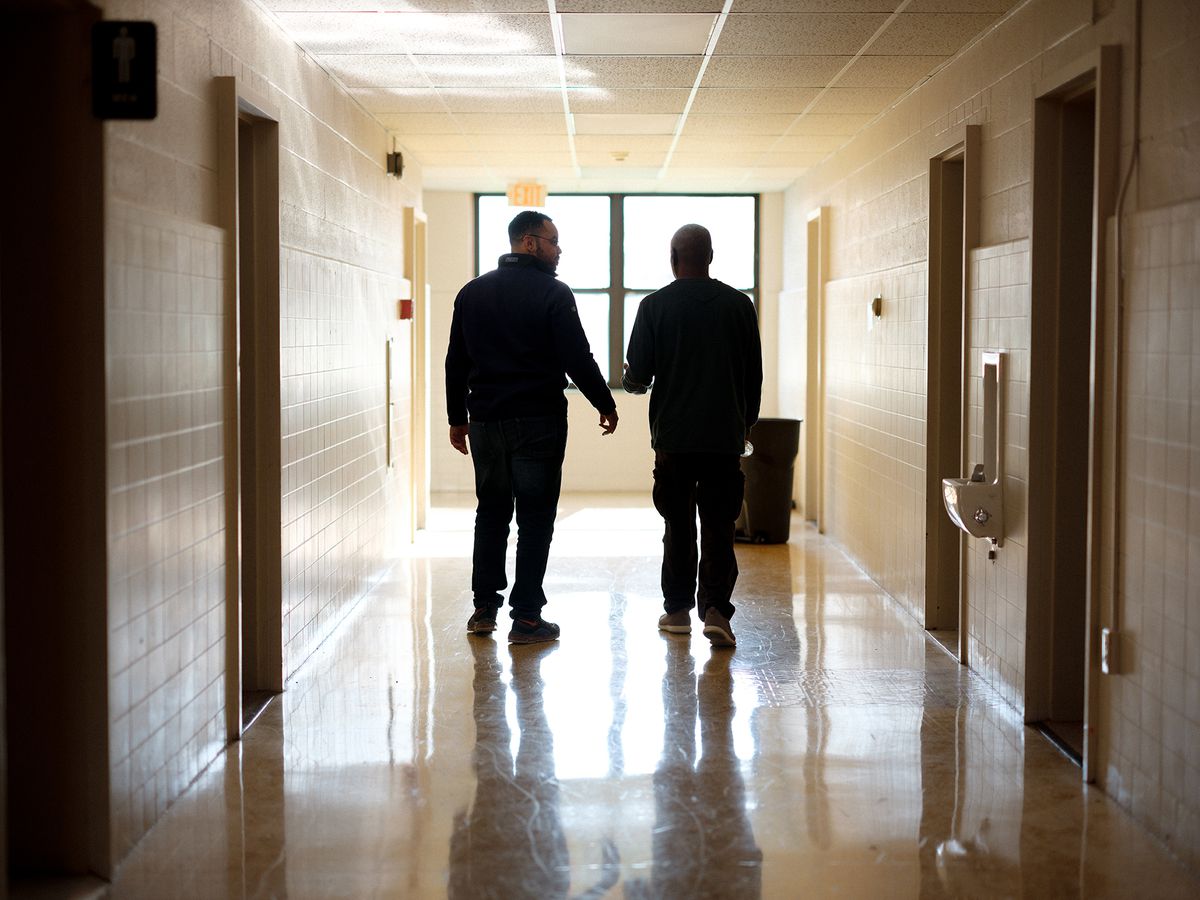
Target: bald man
(696, 342)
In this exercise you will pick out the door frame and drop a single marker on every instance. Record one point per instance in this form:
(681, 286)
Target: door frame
(1099, 71)
(946, 444)
(416, 272)
(236, 103)
(817, 249)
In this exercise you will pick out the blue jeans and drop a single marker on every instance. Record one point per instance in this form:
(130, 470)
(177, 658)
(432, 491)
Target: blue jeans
(518, 465)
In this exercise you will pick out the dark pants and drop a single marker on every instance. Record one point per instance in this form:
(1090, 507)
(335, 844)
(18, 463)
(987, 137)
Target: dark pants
(518, 463)
(711, 483)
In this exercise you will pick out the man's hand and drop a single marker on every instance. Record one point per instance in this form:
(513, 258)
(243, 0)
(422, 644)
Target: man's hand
(608, 422)
(458, 438)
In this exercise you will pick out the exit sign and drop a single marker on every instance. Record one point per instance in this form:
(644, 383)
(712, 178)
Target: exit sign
(526, 193)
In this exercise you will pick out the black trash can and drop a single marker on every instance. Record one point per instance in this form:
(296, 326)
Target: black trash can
(767, 509)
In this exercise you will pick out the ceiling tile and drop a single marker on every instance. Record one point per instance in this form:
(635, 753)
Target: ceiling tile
(741, 124)
(889, 71)
(633, 159)
(626, 102)
(810, 143)
(774, 160)
(473, 123)
(652, 34)
(973, 6)
(527, 172)
(365, 32)
(464, 179)
(373, 70)
(865, 101)
(638, 6)
(625, 124)
(398, 100)
(633, 179)
(817, 6)
(722, 158)
(825, 125)
(772, 71)
(489, 71)
(765, 180)
(428, 6)
(700, 180)
(419, 123)
(606, 143)
(468, 100)
(529, 161)
(721, 101)
(461, 143)
(633, 71)
(807, 34)
(745, 143)
(931, 34)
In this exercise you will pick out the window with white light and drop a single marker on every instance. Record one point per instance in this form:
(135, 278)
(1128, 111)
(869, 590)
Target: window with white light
(616, 250)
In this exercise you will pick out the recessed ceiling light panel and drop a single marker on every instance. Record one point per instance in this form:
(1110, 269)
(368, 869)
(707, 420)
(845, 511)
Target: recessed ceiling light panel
(636, 34)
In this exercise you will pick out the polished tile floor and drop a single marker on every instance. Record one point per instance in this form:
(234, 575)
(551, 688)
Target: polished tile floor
(837, 752)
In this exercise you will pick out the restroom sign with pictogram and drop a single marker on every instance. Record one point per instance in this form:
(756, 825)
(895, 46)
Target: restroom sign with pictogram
(125, 70)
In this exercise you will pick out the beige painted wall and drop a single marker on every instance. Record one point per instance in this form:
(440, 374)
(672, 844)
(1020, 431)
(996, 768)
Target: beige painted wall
(876, 189)
(341, 264)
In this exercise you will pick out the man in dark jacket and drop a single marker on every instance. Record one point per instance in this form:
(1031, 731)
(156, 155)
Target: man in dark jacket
(514, 333)
(697, 341)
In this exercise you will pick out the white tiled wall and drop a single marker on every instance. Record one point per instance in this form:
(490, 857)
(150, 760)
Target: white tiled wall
(999, 314)
(337, 538)
(166, 510)
(876, 194)
(1150, 746)
(342, 262)
(875, 426)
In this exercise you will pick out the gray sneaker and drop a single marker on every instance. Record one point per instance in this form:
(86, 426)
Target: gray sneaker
(679, 622)
(717, 629)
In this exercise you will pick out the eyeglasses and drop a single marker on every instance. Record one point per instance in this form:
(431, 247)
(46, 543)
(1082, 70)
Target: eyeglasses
(541, 237)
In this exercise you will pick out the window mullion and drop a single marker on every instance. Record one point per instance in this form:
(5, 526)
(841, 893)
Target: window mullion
(616, 289)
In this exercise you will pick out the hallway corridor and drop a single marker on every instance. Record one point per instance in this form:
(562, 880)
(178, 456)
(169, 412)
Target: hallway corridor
(837, 752)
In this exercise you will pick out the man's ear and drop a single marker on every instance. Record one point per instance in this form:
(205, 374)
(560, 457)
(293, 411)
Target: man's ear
(674, 259)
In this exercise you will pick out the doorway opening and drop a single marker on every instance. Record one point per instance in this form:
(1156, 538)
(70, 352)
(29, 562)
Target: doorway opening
(1072, 121)
(254, 625)
(953, 232)
(814, 401)
(1073, 190)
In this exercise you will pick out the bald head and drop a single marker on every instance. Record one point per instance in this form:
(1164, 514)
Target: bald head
(691, 252)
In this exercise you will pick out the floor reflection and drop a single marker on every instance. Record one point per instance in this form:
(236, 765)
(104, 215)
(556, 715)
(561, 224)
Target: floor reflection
(837, 752)
(703, 844)
(510, 843)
